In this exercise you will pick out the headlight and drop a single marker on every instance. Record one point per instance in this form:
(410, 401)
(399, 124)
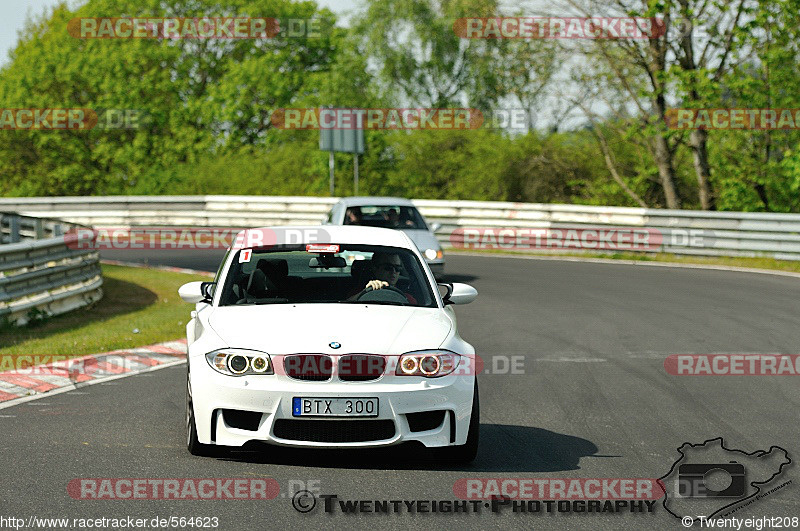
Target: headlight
(239, 362)
(432, 254)
(428, 363)
(260, 364)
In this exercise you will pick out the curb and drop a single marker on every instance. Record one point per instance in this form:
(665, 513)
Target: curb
(30, 383)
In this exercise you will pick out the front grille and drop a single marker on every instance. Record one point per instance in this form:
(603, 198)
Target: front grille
(361, 367)
(427, 420)
(308, 367)
(243, 420)
(334, 431)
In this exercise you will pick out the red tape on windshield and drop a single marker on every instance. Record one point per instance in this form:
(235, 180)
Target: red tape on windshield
(321, 248)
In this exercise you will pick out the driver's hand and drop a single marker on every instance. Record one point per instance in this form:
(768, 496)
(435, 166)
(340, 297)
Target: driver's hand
(376, 284)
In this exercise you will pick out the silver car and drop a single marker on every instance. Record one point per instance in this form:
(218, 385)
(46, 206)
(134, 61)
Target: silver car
(393, 213)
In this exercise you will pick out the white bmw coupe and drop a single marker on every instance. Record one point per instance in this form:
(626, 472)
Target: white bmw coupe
(334, 337)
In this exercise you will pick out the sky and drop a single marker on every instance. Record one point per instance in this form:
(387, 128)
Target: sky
(13, 14)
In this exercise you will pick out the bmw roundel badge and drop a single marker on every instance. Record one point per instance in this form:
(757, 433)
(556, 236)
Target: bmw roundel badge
(334, 344)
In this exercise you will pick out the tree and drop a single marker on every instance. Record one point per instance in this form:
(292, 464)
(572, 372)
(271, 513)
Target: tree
(421, 61)
(199, 96)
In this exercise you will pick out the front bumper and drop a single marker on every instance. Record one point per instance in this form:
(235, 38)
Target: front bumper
(269, 400)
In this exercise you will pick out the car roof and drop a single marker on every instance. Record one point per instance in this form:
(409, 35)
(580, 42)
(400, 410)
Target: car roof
(344, 234)
(376, 201)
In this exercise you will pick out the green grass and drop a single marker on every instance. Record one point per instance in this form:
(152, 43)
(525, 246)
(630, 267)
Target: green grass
(133, 298)
(752, 263)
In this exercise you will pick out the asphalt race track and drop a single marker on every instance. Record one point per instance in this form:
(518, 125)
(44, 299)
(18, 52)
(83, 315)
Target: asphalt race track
(592, 400)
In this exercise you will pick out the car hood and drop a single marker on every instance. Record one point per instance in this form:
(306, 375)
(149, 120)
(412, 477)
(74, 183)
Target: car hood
(423, 239)
(309, 328)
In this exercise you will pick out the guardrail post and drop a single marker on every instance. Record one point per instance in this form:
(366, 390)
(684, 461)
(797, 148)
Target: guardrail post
(13, 226)
(45, 275)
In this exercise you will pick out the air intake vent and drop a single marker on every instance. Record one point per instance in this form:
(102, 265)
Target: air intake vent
(427, 420)
(334, 431)
(242, 420)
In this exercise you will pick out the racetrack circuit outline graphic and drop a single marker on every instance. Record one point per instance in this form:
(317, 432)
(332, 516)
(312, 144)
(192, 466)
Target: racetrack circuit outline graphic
(754, 484)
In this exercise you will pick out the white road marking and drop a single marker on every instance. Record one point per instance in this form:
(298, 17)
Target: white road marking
(573, 360)
(650, 263)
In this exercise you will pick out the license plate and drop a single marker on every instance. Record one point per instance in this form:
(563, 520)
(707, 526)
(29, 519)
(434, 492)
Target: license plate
(334, 407)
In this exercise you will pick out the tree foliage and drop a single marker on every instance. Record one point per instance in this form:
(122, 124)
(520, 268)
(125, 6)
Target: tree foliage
(206, 105)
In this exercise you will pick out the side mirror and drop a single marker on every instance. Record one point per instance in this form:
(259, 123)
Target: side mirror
(459, 293)
(195, 292)
(435, 227)
(207, 289)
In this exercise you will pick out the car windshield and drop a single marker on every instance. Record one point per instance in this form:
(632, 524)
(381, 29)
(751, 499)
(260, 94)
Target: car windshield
(326, 273)
(385, 216)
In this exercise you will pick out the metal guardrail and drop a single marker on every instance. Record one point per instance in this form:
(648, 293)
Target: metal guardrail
(679, 231)
(41, 273)
(15, 228)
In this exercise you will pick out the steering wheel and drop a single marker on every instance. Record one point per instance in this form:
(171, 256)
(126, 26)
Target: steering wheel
(396, 296)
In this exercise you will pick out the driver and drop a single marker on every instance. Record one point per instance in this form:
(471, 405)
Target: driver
(386, 268)
(353, 216)
(393, 218)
